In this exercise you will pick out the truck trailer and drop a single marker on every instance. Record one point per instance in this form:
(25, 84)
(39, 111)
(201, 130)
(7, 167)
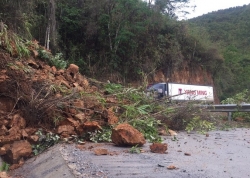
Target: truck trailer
(182, 92)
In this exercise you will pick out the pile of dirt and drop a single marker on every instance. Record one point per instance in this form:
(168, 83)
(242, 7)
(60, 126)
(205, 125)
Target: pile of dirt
(34, 95)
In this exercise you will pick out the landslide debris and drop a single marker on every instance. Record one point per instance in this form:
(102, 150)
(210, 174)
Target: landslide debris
(41, 104)
(39, 101)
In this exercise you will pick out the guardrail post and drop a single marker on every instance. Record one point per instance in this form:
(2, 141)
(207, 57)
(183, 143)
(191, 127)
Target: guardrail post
(229, 116)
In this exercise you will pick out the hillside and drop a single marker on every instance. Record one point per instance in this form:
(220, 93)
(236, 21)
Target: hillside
(121, 41)
(229, 29)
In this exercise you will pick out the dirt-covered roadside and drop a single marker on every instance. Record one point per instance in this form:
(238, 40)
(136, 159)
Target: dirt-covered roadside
(219, 154)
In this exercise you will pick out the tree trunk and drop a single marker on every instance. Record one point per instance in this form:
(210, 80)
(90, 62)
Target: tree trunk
(50, 38)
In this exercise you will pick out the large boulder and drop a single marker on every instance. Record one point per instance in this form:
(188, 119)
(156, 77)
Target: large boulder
(18, 150)
(126, 135)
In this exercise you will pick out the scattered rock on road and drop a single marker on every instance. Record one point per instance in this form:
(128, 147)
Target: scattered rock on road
(101, 151)
(159, 148)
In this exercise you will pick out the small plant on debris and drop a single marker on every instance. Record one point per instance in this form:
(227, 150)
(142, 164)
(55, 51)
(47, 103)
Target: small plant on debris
(4, 167)
(201, 126)
(148, 127)
(112, 88)
(135, 150)
(46, 140)
(103, 135)
(56, 60)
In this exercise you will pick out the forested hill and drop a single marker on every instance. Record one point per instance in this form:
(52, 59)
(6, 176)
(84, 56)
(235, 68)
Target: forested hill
(229, 28)
(130, 41)
(118, 39)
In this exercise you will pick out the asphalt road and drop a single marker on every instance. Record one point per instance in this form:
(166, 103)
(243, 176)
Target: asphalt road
(221, 154)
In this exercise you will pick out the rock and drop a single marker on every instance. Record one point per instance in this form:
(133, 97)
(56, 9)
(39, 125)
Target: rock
(24, 133)
(9, 139)
(53, 69)
(66, 130)
(187, 154)
(3, 130)
(162, 132)
(82, 81)
(109, 116)
(6, 104)
(35, 53)
(111, 100)
(33, 139)
(72, 111)
(4, 175)
(3, 75)
(31, 62)
(14, 131)
(65, 83)
(172, 167)
(91, 126)
(30, 130)
(73, 122)
(126, 135)
(81, 117)
(18, 150)
(159, 148)
(101, 151)
(72, 70)
(19, 164)
(4, 149)
(4, 122)
(172, 133)
(78, 104)
(81, 147)
(18, 121)
(60, 72)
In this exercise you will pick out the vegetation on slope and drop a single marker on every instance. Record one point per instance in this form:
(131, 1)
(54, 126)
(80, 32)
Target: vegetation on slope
(229, 30)
(122, 40)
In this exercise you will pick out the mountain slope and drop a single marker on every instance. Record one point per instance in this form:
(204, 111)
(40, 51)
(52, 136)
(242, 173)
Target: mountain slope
(229, 29)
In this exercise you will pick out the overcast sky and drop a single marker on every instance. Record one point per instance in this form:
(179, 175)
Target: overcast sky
(206, 6)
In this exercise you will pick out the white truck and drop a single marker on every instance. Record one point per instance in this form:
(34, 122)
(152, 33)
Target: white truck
(183, 92)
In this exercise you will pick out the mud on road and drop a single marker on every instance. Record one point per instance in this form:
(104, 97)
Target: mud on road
(221, 154)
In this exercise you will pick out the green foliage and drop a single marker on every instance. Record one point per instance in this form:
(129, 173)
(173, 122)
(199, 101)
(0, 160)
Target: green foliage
(201, 126)
(112, 88)
(13, 43)
(228, 29)
(242, 97)
(148, 127)
(103, 135)
(4, 167)
(135, 150)
(239, 98)
(46, 140)
(135, 110)
(56, 60)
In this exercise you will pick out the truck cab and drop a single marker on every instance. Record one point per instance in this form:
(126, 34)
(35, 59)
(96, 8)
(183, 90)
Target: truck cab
(160, 89)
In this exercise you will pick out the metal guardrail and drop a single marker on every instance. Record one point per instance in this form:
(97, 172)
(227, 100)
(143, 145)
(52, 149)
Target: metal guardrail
(229, 108)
